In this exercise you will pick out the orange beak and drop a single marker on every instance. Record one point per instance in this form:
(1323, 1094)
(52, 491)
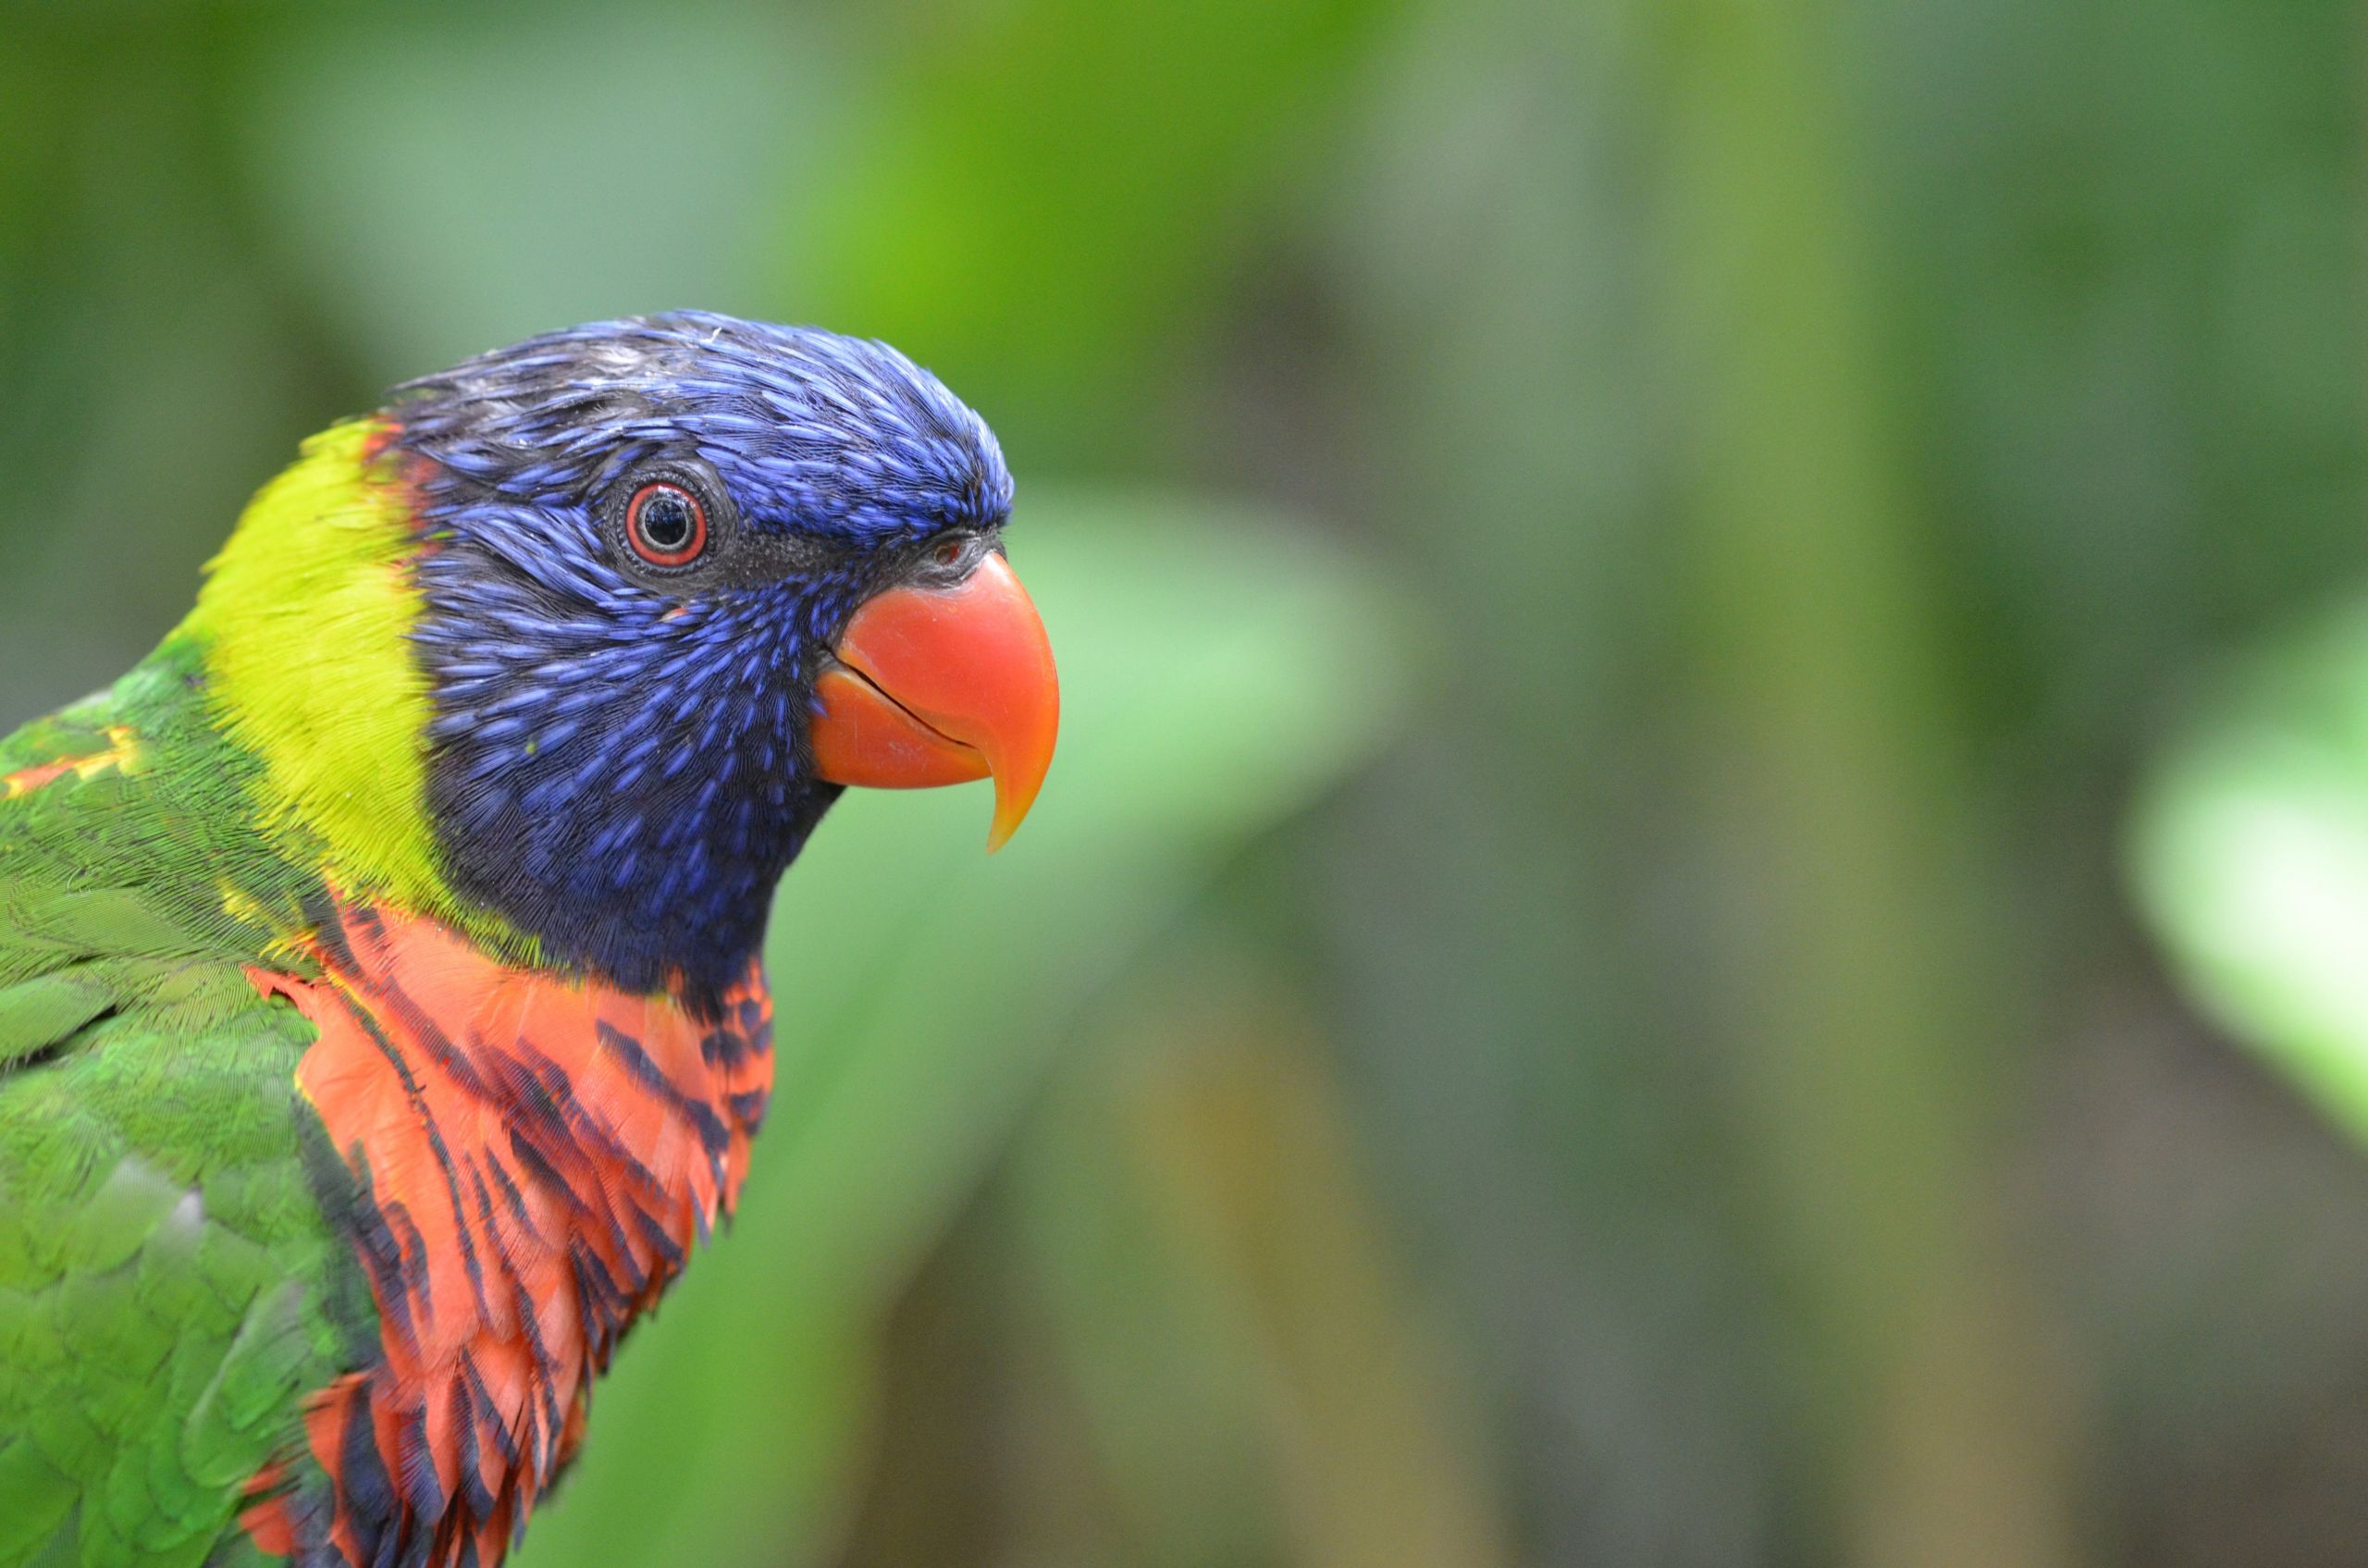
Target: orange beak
(941, 685)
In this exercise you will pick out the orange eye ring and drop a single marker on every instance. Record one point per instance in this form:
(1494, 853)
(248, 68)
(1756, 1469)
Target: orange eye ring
(665, 524)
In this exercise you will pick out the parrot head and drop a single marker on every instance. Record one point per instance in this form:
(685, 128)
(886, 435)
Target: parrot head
(616, 613)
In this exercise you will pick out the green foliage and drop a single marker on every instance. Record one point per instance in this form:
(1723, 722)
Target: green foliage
(2251, 858)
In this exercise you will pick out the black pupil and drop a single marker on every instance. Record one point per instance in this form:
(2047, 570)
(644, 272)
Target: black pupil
(666, 523)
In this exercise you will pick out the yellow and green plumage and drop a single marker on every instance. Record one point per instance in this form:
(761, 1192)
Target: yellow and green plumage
(380, 1022)
(168, 1286)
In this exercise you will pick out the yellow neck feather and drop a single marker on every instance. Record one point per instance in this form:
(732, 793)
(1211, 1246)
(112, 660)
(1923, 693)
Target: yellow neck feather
(305, 618)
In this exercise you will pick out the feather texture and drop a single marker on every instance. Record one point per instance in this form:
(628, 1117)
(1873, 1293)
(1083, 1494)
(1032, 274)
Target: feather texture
(381, 1026)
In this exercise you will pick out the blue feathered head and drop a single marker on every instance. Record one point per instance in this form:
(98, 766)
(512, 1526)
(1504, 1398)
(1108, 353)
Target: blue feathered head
(644, 543)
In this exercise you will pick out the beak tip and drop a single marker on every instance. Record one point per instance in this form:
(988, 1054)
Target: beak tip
(1012, 807)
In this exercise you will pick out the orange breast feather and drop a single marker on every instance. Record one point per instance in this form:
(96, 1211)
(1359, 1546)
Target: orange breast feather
(537, 1156)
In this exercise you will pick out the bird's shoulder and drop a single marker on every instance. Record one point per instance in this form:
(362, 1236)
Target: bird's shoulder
(135, 876)
(168, 1281)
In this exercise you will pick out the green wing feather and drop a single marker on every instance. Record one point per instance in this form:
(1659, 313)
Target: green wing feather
(165, 1267)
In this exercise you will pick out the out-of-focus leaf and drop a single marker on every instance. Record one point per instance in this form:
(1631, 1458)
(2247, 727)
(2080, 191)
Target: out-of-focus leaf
(1043, 194)
(1256, 1384)
(2251, 859)
(1214, 678)
(446, 191)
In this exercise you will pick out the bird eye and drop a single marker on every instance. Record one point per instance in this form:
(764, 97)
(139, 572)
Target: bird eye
(949, 550)
(666, 526)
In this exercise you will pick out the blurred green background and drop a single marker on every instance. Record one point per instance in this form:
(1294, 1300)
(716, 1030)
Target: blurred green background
(1655, 598)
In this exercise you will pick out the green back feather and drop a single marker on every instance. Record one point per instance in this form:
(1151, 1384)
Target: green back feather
(166, 1273)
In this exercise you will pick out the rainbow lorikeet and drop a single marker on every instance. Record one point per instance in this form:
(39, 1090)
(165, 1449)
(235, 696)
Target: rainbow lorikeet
(381, 1016)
